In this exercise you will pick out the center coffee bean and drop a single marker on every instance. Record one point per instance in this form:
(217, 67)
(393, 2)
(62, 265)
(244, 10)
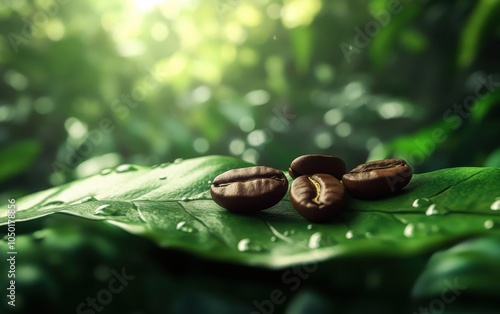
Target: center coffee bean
(378, 178)
(317, 198)
(251, 189)
(312, 164)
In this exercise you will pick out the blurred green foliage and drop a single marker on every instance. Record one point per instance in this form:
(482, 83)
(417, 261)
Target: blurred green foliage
(98, 83)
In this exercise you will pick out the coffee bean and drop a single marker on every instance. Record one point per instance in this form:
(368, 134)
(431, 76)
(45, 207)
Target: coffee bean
(377, 178)
(317, 198)
(251, 189)
(312, 164)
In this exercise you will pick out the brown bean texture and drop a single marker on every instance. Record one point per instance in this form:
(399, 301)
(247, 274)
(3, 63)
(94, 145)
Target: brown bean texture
(312, 164)
(251, 189)
(317, 198)
(378, 178)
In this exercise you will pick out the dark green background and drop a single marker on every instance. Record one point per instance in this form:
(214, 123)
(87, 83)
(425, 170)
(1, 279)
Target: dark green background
(86, 85)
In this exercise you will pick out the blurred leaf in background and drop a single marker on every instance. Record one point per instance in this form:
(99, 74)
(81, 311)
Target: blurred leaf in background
(98, 84)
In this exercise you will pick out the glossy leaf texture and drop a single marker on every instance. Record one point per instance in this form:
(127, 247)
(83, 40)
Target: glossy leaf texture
(171, 205)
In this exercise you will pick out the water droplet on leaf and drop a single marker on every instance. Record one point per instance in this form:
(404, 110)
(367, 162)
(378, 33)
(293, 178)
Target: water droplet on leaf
(246, 245)
(421, 202)
(309, 227)
(408, 232)
(433, 210)
(184, 227)
(495, 205)
(125, 168)
(420, 230)
(53, 203)
(286, 233)
(315, 240)
(489, 224)
(85, 200)
(273, 239)
(349, 234)
(104, 210)
(106, 171)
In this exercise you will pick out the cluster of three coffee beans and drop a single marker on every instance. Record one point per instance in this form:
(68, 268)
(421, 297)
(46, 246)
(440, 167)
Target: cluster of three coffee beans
(316, 192)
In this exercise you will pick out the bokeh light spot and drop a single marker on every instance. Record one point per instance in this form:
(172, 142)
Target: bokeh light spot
(44, 105)
(323, 140)
(258, 97)
(201, 145)
(159, 31)
(237, 147)
(76, 129)
(16, 80)
(247, 124)
(391, 110)
(343, 129)
(333, 116)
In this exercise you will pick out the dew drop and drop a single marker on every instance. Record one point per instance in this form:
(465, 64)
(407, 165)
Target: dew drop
(349, 234)
(106, 171)
(163, 165)
(53, 203)
(209, 181)
(163, 178)
(292, 231)
(421, 202)
(495, 205)
(184, 227)
(309, 227)
(273, 239)
(420, 230)
(368, 235)
(104, 210)
(432, 210)
(408, 232)
(489, 224)
(125, 168)
(315, 240)
(246, 245)
(286, 233)
(178, 160)
(85, 200)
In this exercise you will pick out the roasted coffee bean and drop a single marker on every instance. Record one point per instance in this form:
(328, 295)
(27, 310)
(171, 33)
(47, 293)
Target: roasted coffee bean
(377, 178)
(251, 189)
(312, 164)
(317, 198)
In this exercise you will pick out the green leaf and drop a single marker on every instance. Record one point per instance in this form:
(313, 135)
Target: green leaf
(473, 33)
(171, 205)
(15, 158)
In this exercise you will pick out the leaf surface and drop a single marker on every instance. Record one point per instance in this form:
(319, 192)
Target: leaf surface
(171, 205)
